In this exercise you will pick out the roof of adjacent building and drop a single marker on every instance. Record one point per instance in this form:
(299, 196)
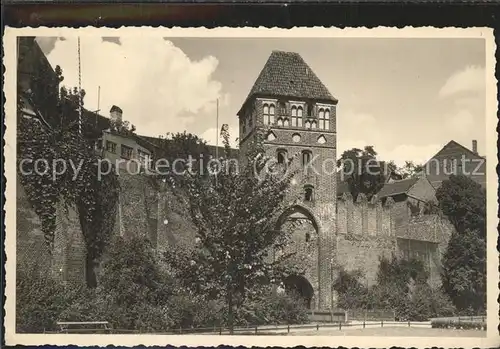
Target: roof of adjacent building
(286, 74)
(455, 145)
(397, 187)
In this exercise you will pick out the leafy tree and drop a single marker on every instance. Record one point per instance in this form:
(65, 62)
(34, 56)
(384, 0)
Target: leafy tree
(362, 172)
(182, 146)
(463, 201)
(234, 211)
(464, 270)
(410, 169)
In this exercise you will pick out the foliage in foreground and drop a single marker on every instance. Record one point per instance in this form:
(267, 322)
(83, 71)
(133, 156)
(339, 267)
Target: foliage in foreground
(136, 292)
(234, 211)
(401, 287)
(463, 201)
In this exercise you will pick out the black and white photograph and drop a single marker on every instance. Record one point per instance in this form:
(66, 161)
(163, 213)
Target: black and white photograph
(306, 185)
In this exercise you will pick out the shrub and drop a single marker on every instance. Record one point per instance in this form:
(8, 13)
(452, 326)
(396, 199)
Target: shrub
(352, 294)
(272, 308)
(458, 323)
(40, 300)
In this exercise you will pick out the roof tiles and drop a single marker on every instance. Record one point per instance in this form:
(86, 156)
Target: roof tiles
(287, 74)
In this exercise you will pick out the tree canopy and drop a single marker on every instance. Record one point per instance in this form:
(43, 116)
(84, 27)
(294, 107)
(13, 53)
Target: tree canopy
(362, 171)
(234, 210)
(463, 201)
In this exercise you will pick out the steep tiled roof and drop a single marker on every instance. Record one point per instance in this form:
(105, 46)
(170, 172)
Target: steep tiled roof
(287, 74)
(397, 187)
(456, 147)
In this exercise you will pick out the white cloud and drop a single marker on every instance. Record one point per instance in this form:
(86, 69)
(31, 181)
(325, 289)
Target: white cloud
(472, 78)
(357, 130)
(408, 152)
(159, 88)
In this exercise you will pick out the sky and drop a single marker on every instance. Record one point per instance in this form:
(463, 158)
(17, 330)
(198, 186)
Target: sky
(407, 97)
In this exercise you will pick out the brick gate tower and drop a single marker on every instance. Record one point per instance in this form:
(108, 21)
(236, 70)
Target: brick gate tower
(299, 114)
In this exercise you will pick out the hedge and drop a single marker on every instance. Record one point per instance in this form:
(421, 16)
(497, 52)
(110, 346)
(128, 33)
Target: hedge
(457, 323)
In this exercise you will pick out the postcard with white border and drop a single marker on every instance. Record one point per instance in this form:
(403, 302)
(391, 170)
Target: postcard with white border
(251, 186)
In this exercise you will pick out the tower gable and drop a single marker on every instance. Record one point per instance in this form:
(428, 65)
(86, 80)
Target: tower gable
(286, 74)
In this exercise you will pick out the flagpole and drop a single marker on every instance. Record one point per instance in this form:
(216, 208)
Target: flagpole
(217, 132)
(217, 138)
(79, 90)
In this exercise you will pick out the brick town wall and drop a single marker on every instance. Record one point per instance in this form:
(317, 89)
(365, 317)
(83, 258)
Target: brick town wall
(364, 235)
(66, 261)
(141, 214)
(31, 249)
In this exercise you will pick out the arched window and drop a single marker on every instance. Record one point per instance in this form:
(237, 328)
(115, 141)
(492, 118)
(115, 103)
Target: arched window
(313, 124)
(281, 155)
(268, 114)
(300, 112)
(308, 124)
(308, 193)
(327, 119)
(286, 123)
(294, 116)
(280, 122)
(321, 119)
(306, 157)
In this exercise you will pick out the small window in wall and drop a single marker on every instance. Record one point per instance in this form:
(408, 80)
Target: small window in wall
(306, 157)
(111, 147)
(308, 193)
(313, 124)
(281, 156)
(308, 237)
(286, 123)
(126, 152)
(280, 122)
(308, 124)
(144, 158)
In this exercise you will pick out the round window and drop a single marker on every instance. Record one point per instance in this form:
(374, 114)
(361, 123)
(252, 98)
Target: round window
(296, 138)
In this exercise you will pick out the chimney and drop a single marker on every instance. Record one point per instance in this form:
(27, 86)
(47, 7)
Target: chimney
(115, 113)
(474, 146)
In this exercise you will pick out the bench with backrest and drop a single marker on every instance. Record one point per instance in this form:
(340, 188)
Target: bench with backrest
(84, 327)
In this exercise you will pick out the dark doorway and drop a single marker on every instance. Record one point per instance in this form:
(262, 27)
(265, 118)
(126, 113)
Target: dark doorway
(301, 288)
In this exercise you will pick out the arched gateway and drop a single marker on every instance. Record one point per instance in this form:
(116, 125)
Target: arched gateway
(299, 113)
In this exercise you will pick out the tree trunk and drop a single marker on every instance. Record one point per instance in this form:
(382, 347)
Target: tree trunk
(230, 311)
(90, 274)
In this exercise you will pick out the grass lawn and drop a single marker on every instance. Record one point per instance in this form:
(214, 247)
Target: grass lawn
(393, 332)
